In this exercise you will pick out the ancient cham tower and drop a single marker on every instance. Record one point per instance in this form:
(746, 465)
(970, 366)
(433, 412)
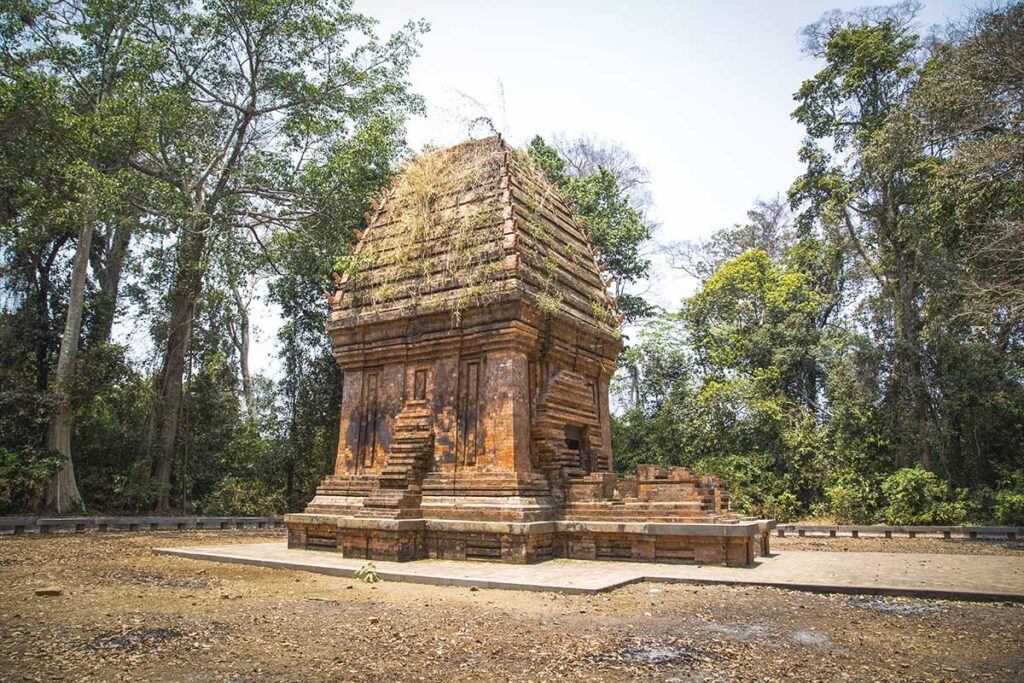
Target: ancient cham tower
(478, 340)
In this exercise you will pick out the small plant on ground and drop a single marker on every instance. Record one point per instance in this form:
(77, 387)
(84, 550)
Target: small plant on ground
(368, 573)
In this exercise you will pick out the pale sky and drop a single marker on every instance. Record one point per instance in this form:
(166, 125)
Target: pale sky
(700, 92)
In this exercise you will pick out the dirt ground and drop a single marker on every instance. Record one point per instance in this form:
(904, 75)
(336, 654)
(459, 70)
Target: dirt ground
(127, 614)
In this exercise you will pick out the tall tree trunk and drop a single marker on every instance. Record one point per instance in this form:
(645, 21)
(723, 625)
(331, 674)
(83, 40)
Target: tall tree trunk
(241, 339)
(107, 265)
(908, 349)
(42, 334)
(43, 341)
(289, 483)
(62, 490)
(187, 287)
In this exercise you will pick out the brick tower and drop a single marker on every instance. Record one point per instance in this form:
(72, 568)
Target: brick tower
(477, 342)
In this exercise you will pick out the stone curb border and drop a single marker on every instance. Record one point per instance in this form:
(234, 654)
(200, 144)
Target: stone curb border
(611, 584)
(988, 533)
(45, 525)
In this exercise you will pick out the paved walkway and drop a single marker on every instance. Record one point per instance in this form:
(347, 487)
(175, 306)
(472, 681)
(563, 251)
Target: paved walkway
(966, 577)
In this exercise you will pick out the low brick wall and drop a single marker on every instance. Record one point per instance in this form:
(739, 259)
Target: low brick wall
(990, 533)
(45, 525)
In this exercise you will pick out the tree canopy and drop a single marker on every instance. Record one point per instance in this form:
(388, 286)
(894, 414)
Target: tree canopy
(852, 349)
(867, 351)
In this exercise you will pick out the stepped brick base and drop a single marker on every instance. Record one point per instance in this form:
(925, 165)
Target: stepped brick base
(734, 544)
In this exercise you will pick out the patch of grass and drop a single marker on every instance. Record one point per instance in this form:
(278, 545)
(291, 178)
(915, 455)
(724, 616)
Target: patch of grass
(442, 231)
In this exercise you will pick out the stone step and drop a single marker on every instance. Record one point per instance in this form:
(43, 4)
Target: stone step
(346, 483)
(419, 441)
(629, 501)
(395, 473)
(707, 519)
(383, 501)
(399, 474)
(406, 460)
(405, 429)
(420, 419)
(391, 498)
(676, 511)
(467, 475)
(400, 469)
(634, 512)
(408, 455)
(631, 510)
(393, 485)
(405, 478)
(402, 444)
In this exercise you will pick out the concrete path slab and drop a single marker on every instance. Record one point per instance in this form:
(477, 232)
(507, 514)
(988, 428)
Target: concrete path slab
(960, 577)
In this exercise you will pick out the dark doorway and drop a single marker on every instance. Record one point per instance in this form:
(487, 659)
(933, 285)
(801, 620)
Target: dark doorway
(574, 442)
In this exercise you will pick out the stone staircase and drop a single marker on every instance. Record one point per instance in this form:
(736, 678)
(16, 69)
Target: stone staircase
(657, 494)
(341, 494)
(681, 512)
(470, 482)
(399, 486)
(347, 485)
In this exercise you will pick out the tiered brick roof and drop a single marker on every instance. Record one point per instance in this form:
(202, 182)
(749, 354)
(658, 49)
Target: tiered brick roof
(466, 226)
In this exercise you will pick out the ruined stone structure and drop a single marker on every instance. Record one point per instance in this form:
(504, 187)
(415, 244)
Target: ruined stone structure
(477, 341)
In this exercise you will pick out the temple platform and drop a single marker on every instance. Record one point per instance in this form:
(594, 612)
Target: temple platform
(734, 544)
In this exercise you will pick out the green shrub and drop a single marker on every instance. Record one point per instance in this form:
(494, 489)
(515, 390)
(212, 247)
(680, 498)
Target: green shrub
(1004, 504)
(949, 512)
(23, 476)
(248, 497)
(783, 507)
(851, 500)
(135, 490)
(916, 496)
(1009, 508)
(25, 465)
